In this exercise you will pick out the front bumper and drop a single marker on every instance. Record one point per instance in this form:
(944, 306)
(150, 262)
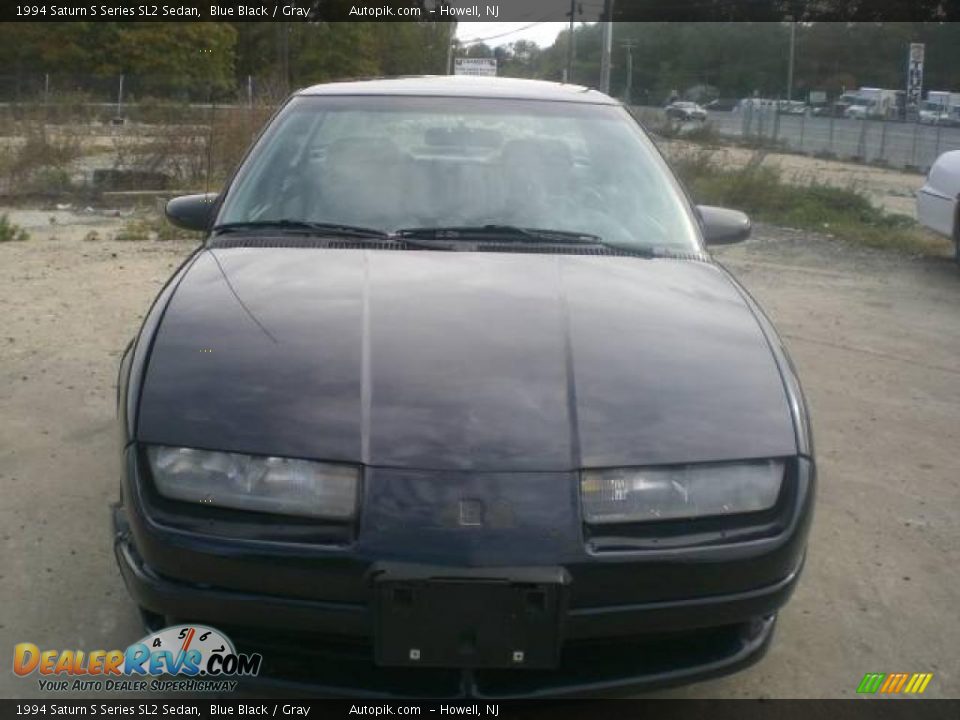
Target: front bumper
(321, 647)
(637, 618)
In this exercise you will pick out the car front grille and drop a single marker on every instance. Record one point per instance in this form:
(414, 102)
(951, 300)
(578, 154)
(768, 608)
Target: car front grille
(344, 666)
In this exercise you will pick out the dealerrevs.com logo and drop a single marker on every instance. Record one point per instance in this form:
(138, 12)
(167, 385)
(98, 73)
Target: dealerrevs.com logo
(894, 683)
(198, 658)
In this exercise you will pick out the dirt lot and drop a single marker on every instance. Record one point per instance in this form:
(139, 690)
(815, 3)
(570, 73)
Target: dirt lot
(876, 338)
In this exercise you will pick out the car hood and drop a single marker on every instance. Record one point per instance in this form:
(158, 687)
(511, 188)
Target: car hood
(463, 361)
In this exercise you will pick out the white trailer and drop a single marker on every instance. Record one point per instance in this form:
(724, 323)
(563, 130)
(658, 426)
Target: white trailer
(874, 103)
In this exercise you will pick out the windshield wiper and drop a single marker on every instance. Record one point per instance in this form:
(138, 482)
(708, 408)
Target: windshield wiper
(518, 234)
(446, 237)
(507, 233)
(314, 228)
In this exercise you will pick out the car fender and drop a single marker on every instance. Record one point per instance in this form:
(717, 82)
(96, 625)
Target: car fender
(939, 198)
(137, 355)
(791, 382)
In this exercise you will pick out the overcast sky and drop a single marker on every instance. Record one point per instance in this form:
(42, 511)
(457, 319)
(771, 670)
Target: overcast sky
(501, 33)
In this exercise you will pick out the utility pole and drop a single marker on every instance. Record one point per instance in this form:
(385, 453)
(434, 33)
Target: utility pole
(283, 55)
(793, 45)
(450, 41)
(607, 47)
(629, 45)
(570, 49)
(120, 99)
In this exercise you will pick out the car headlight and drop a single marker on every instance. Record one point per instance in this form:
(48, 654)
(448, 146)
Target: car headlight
(263, 484)
(683, 491)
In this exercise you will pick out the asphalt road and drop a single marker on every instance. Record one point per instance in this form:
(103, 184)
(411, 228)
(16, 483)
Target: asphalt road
(876, 338)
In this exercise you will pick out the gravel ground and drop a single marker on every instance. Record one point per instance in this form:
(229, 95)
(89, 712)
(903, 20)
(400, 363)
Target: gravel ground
(876, 337)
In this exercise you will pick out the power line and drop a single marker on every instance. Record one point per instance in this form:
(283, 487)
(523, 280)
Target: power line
(504, 34)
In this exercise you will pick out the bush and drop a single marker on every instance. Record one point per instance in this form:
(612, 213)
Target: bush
(233, 132)
(133, 231)
(40, 162)
(48, 181)
(176, 152)
(761, 192)
(42, 149)
(152, 228)
(10, 232)
(184, 153)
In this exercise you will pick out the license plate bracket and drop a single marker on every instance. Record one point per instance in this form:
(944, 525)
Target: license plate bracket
(470, 619)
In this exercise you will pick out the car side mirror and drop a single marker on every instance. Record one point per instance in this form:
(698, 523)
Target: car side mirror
(192, 212)
(722, 226)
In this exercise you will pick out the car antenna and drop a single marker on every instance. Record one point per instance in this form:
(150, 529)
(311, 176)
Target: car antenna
(206, 188)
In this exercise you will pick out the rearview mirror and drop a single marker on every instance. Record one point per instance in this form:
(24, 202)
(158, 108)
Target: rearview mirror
(192, 212)
(722, 226)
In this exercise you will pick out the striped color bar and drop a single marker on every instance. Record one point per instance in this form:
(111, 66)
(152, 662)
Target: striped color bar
(893, 683)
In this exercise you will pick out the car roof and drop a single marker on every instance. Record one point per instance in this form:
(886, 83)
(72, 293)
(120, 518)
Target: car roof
(464, 86)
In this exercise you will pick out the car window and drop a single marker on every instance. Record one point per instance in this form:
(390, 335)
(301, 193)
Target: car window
(394, 162)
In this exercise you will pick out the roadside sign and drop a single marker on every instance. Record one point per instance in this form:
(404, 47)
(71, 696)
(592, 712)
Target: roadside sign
(915, 74)
(818, 97)
(486, 67)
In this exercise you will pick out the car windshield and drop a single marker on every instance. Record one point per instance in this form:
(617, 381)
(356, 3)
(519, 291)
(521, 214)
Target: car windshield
(393, 162)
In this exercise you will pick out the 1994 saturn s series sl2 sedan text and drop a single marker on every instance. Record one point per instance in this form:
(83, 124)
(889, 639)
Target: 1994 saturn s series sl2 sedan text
(452, 401)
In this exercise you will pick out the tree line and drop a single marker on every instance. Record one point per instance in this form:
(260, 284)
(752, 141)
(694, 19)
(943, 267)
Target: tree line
(740, 59)
(732, 59)
(183, 58)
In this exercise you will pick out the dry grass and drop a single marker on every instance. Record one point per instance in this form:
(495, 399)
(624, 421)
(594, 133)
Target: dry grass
(153, 227)
(844, 213)
(9, 232)
(191, 155)
(39, 160)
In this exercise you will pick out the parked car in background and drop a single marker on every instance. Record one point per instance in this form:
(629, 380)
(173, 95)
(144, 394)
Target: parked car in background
(933, 113)
(453, 400)
(792, 107)
(722, 104)
(684, 110)
(940, 108)
(859, 108)
(840, 105)
(757, 104)
(938, 201)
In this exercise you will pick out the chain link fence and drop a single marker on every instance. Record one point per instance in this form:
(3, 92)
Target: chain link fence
(900, 145)
(119, 98)
(68, 135)
(40, 87)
